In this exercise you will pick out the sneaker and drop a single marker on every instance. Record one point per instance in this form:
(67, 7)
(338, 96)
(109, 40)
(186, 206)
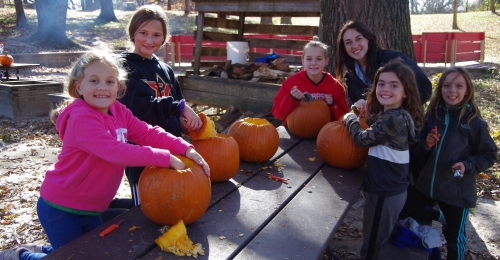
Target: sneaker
(33, 248)
(12, 254)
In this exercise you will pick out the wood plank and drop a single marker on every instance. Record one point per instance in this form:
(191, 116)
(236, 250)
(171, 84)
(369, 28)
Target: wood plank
(262, 28)
(275, 14)
(255, 42)
(119, 244)
(243, 214)
(258, 6)
(222, 92)
(306, 225)
(222, 52)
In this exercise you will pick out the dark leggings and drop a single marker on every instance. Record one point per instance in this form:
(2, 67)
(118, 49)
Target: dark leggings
(420, 206)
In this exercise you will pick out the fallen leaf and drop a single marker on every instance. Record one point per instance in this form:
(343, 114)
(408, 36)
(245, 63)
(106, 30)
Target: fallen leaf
(312, 159)
(133, 228)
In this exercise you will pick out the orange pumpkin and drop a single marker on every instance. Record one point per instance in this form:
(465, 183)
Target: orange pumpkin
(206, 131)
(222, 155)
(169, 195)
(257, 139)
(6, 60)
(336, 148)
(307, 119)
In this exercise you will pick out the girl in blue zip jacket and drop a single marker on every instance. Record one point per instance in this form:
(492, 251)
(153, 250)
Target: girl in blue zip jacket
(455, 146)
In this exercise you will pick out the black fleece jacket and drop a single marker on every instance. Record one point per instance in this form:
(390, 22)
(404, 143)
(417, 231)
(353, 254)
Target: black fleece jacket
(357, 89)
(153, 93)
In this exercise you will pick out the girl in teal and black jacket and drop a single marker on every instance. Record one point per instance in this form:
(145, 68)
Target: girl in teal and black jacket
(455, 146)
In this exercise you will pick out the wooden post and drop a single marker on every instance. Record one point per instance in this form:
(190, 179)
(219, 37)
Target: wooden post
(481, 54)
(199, 36)
(241, 26)
(425, 52)
(452, 54)
(172, 53)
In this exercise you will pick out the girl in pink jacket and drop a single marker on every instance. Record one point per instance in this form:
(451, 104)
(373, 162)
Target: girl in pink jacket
(95, 128)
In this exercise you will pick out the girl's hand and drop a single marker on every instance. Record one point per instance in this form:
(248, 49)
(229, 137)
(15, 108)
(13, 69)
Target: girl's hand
(296, 93)
(192, 120)
(328, 99)
(196, 157)
(176, 163)
(432, 138)
(345, 117)
(458, 166)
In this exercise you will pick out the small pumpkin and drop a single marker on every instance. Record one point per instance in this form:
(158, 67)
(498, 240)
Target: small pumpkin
(176, 241)
(307, 119)
(168, 195)
(222, 155)
(258, 140)
(336, 148)
(6, 59)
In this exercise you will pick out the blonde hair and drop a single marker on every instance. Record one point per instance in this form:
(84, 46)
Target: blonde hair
(148, 13)
(468, 99)
(316, 43)
(407, 78)
(105, 57)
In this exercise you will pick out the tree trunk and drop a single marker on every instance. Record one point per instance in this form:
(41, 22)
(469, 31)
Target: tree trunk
(107, 12)
(21, 20)
(492, 6)
(187, 7)
(51, 28)
(388, 19)
(169, 5)
(266, 20)
(328, 33)
(286, 20)
(455, 8)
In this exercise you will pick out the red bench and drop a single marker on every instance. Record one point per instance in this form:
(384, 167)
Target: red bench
(449, 47)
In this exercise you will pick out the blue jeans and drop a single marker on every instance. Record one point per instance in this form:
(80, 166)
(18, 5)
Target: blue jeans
(63, 227)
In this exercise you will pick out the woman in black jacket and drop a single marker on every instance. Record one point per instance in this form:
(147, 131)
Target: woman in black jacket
(358, 57)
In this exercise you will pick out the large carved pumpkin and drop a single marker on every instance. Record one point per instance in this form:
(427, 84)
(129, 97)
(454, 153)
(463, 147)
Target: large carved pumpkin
(257, 139)
(307, 119)
(336, 148)
(222, 155)
(169, 195)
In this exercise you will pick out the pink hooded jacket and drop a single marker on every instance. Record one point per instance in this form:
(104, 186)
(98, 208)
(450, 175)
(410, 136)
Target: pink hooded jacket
(95, 152)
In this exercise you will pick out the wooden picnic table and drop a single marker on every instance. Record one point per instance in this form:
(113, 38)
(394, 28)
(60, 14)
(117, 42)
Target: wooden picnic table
(17, 67)
(249, 216)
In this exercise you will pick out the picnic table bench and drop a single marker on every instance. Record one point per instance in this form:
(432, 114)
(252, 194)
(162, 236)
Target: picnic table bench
(249, 216)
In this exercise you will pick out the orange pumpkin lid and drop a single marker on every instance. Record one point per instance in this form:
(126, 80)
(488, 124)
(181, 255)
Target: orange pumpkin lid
(206, 131)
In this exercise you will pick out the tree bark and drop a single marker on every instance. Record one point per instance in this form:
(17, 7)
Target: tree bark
(107, 12)
(51, 28)
(388, 19)
(455, 8)
(492, 6)
(21, 20)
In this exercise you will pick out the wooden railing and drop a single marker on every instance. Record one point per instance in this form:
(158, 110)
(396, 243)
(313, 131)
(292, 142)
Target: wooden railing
(430, 47)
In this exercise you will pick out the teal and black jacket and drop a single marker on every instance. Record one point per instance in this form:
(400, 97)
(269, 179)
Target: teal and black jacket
(470, 144)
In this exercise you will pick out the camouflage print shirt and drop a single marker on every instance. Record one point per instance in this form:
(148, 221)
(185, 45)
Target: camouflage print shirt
(389, 138)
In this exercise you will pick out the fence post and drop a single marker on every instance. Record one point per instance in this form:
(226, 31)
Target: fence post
(172, 53)
(453, 52)
(481, 55)
(425, 51)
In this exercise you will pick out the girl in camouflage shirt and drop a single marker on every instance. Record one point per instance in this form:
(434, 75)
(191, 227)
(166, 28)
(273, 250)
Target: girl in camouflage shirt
(395, 117)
